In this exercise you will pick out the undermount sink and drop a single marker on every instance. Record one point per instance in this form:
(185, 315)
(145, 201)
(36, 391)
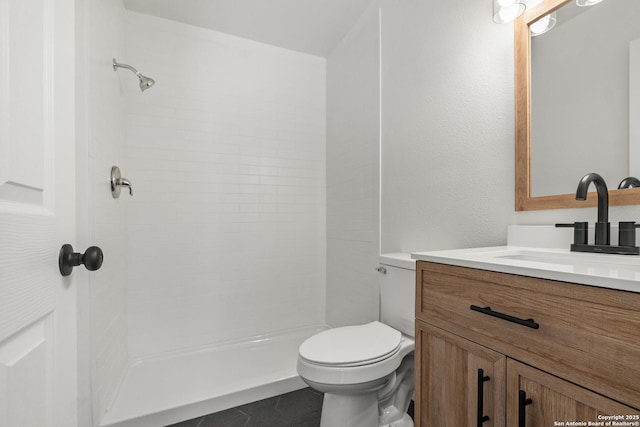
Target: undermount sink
(566, 258)
(537, 258)
(610, 271)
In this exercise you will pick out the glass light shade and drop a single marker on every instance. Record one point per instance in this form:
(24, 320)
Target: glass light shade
(505, 11)
(587, 3)
(543, 24)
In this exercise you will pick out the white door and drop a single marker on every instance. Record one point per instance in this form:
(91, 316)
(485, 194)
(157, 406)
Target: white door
(38, 378)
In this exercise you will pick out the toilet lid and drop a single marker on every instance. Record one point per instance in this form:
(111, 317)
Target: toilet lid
(350, 345)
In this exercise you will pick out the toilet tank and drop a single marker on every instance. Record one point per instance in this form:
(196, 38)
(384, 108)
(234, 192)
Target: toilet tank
(397, 291)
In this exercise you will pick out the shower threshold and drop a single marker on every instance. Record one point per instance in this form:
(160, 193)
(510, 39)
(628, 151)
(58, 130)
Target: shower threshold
(167, 389)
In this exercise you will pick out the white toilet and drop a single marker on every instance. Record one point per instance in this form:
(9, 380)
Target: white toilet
(366, 371)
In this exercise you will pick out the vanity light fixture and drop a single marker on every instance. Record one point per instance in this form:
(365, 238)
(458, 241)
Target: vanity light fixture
(543, 24)
(505, 11)
(587, 3)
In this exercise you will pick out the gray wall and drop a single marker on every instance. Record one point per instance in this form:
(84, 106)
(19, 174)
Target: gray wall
(447, 125)
(353, 147)
(447, 133)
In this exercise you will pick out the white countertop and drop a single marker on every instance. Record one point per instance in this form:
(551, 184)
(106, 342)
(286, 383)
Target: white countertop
(620, 272)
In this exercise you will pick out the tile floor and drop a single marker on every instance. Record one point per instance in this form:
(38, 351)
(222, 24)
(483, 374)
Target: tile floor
(296, 409)
(300, 408)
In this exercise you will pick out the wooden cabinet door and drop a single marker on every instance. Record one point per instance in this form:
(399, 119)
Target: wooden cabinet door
(451, 374)
(551, 401)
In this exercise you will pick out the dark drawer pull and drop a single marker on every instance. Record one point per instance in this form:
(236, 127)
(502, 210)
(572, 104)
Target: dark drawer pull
(529, 323)
(481, 417)
(523, 401)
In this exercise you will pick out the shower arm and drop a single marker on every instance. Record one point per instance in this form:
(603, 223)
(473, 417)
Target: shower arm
(128, 67)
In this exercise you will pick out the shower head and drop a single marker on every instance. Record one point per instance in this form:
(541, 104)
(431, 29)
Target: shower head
(145, 82)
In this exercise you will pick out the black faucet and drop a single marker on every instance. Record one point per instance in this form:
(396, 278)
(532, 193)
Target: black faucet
(627, 237)
(629, 182)
(602, 226)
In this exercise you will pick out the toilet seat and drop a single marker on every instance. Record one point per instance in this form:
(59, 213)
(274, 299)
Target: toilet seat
(352, 346)
(320, 362)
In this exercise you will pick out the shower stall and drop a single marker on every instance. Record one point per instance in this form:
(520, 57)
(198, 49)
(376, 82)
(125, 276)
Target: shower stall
(214, 267)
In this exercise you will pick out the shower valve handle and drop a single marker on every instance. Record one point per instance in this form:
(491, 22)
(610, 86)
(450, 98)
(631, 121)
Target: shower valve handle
(117, 182)
(124, 182)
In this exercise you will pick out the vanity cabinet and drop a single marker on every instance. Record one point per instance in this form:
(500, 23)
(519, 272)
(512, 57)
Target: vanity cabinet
(574, 350)
(456, 375)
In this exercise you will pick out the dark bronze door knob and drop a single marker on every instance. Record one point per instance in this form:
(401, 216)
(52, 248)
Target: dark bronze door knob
(92, 259)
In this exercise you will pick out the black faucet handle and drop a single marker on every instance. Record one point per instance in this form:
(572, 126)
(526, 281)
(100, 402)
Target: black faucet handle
(580, 231)
(627, 233)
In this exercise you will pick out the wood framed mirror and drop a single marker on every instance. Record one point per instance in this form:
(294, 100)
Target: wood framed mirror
(525, 197)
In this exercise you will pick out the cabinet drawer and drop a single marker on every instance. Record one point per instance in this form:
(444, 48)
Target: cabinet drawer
(587, 335)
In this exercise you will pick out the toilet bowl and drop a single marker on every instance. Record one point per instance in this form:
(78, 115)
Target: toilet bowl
(366, 371)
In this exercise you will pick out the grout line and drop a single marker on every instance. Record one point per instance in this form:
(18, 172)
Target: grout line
(242, 412)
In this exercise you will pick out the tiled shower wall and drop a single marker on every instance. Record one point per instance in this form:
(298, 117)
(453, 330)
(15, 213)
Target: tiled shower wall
(226, 228)
(105, 309)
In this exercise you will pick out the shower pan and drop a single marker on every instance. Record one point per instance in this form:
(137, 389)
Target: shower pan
(167, 389)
